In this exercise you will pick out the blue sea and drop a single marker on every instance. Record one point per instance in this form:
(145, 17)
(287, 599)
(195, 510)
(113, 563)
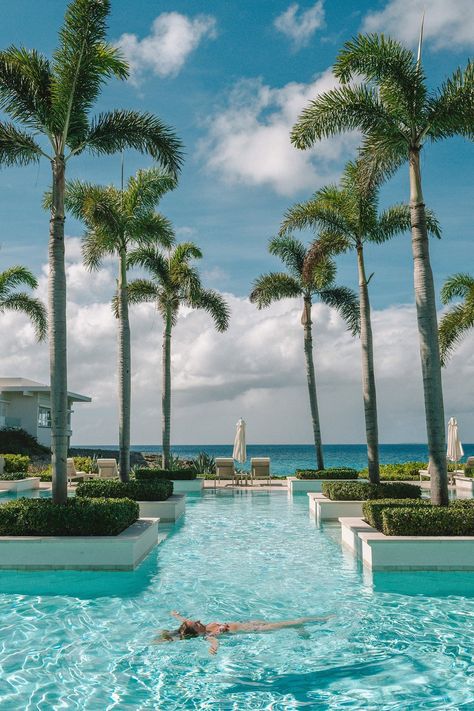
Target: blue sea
(285, 458)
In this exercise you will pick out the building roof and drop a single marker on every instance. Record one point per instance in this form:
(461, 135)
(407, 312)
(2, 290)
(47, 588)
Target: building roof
(31, 386)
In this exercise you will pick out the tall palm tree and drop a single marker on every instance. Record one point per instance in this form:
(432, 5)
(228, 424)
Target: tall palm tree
(346, 218)
(49, 102)
(296, 283)
(459, 319)
(117, 220)
(392, 106)
(11, 300)
(173, 282)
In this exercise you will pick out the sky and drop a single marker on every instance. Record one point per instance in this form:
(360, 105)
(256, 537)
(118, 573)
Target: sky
(231, 78)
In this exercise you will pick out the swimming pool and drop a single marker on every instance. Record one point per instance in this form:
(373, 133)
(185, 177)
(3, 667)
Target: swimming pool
(395, 641)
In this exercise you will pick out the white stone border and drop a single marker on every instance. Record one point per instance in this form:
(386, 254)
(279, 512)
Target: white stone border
(327, 510)
(167, 511)
(31, 482)
(380, 552)
(122, 552)
(305, 486)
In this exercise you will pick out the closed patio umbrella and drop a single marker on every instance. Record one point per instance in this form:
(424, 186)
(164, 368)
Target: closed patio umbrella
(455, 450)
(240, 448)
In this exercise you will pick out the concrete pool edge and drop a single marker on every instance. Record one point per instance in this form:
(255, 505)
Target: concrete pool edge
(167, 511)
(327, 510)
(13, 485)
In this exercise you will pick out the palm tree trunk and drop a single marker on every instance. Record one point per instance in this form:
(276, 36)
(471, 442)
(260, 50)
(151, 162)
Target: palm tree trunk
(368, 375)
(313, 399)
(428, 332)
(166, 392)
(124, 371)
(58, 334)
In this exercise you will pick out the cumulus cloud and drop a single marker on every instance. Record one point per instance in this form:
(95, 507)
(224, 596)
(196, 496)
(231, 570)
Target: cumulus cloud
(248, 140)
(300, 26)
(256, 370)
(164, 51)
(447, 24)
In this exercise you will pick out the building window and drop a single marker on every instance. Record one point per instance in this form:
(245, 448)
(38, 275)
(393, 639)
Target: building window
(44, 417)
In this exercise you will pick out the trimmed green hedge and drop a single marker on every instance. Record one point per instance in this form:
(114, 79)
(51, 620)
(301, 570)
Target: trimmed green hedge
(149, 474)
(332, 473)
(361, 491)
(15, 463)
(373, 509)
(153, 490)
(77, 517)
(16, 476)
(407, 471)
(428, 521)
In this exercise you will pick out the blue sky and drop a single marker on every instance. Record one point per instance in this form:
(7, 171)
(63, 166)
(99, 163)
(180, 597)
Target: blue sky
(231, 77)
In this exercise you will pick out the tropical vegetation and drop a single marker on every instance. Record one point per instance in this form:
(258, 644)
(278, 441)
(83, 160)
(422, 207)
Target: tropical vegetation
(458, 320)
(13, 300)
(316, 282)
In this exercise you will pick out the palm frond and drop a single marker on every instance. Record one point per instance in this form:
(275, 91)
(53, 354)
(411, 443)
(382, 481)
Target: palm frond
(450, 112)
(345, 301)
(25, 87)
(141, 291)
(457, 286)
(393, 221)
(274, 286)
(17, 147)
(152, 228)
(453, 327)
(329, 244)
(117, 130)
(16, 276)
(215, 305)
(185, 251)
(96, 245)
(291, 251)
(97, 206)
(31, 307)
(150, 258)
(146, 188)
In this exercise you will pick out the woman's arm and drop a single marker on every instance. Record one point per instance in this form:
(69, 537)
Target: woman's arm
(178, 616)
(213, 644)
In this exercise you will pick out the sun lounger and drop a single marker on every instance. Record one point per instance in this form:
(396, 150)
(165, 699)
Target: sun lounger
(225, 469)
(260, 468)
(107, 468)
(73, 474)
(427, 473)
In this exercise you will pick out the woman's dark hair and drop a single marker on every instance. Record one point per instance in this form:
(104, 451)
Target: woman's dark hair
(188, 629)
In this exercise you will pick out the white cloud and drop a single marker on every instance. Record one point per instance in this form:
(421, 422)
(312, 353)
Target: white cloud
(248, 141)
(300, 26)
(164, 51)
(256, 370)
(448, 23)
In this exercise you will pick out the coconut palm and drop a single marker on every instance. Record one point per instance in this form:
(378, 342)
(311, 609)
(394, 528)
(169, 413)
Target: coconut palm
(173, 282)
(117, 220)
(49, 103)
(459, 319)
(318, 282)
(346, 218)
(384, 94)
(12, 300)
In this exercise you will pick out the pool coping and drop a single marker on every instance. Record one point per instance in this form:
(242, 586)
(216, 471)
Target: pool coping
(31, 482)
(326, 509)
(168, 511)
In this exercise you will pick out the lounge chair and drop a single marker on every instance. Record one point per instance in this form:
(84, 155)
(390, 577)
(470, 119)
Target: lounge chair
(225, 469)
(427, 472)
(72, 472)
(260, 468)
(107, 468)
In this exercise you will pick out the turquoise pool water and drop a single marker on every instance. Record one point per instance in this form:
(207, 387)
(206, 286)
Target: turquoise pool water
(73, 640)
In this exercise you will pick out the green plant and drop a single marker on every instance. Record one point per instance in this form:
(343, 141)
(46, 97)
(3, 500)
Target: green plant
(372, 509)
(459, 319)
(429, 521)
(46, 475)
(177, 462)
(12, 300)
(18, 441)
(13, 476)
(77, 517)
(204, 464)
(362, 491)
(406, 471)
(468, 471)
(160, 474)
(331, 473)
(15, 463)
(86, 464)
(151, 490)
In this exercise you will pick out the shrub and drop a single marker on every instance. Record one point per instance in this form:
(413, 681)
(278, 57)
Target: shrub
(15, 463)
(152, 490)
(429, 521)
(77, 517)
(332, 473)
(373, 509)
(15, 440)
(86, 464)
(406, 471)
(149, 474)
(361, 491)
(468, 471)
(204, 464)
(14, 476)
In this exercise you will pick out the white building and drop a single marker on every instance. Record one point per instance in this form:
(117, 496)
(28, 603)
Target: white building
(27, 404)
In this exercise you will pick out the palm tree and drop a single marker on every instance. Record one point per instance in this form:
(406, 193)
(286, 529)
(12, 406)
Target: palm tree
(11, 300)
(173, 282)
(52, 100)
(398, 116)
(347, 218)
(117, 220)
(459, 319)
(317, 282)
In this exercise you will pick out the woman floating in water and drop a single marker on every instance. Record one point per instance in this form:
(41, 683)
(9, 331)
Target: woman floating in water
(213, 630)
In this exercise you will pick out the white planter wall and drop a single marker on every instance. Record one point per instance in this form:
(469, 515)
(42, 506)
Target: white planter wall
(31, 482)
(167, 511)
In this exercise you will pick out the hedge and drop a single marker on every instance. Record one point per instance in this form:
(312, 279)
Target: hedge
(149, 474)
(429, 521)
(14, 476)
(77, 517)
(361, 491)
(373, 509)
(153, 490)
(332, 473)
(406, 471)
(15, 463)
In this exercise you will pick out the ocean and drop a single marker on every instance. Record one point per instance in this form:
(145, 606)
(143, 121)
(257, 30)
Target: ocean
(285, 458)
